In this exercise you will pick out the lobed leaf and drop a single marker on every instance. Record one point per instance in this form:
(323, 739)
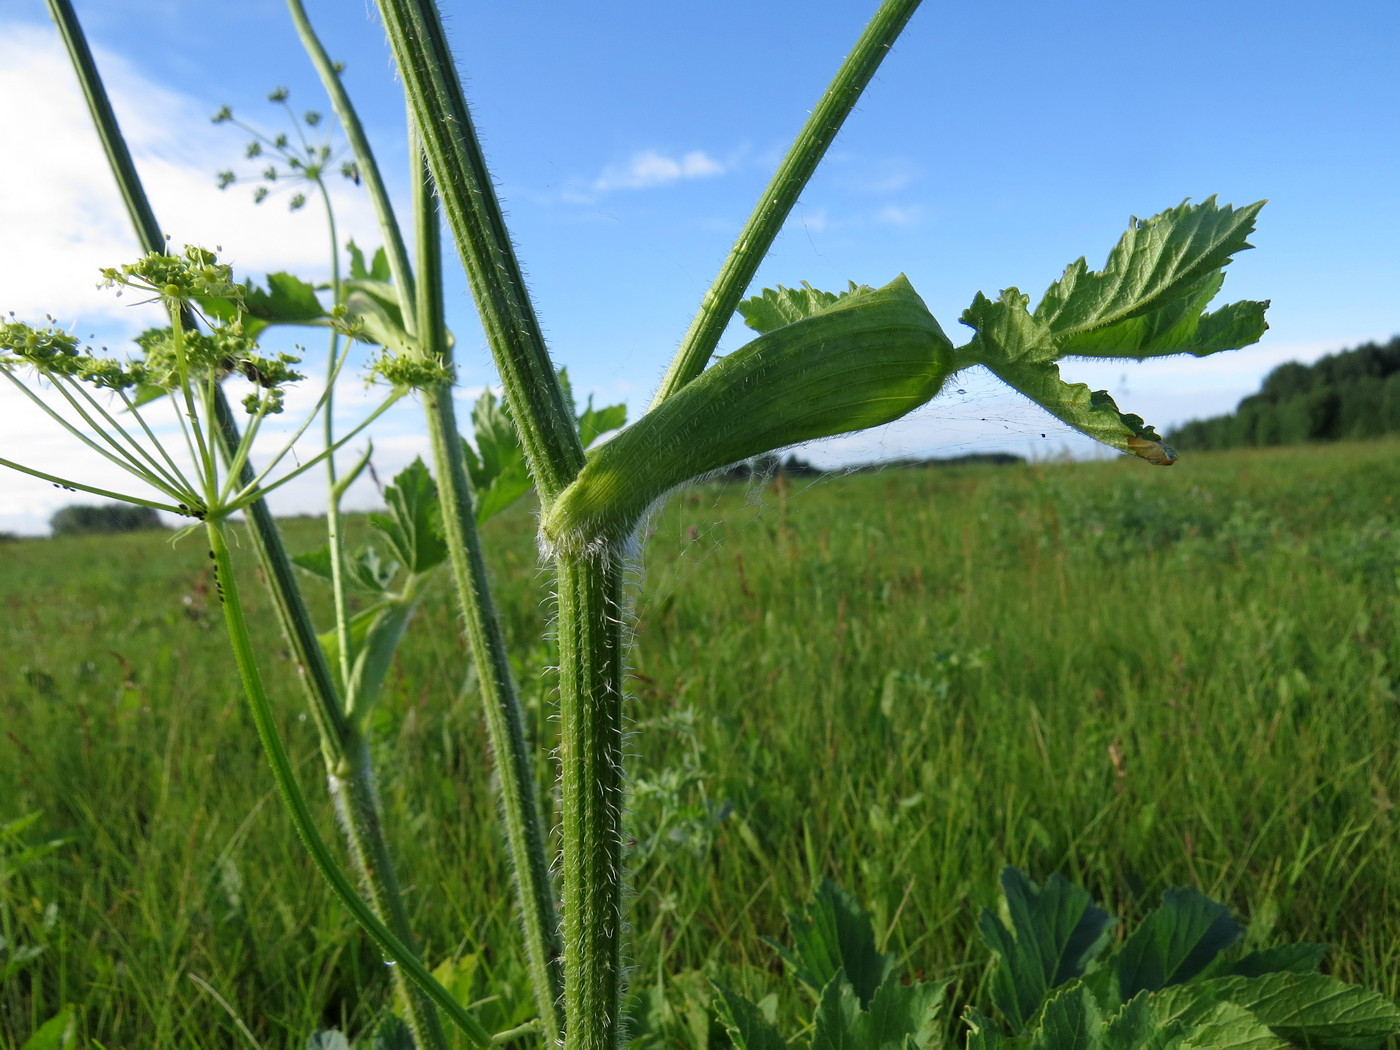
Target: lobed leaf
(378, 269)
(1148, 301)
(776, 307)
(411, 526)
(1156, 263)
(1175, 942)
(749, 1029)
(832, 935)
(286, 300)
(1055, 932)
(496, 466)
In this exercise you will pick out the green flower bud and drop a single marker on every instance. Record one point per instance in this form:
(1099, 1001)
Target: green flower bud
(870, 358)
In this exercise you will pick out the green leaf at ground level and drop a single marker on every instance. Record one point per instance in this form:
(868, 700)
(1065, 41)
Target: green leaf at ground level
(57, 1033)
(832, 935)
(1175, 942)
(906, 1015)
(749, 1029)
(1296, 958)
(1054, 933)
(1313, 1010)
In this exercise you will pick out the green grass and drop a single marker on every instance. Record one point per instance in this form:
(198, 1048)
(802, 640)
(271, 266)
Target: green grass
(904, 680)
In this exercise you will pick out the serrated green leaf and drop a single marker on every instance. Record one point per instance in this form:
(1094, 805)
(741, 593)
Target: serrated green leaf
(378, 269)
(496, 466)
(1136, 1027)
(749, 1029)
(287, 299)
(594, 422)
(776, 307)
(1055, 932)
(1229, 1026)
(1157, 262)
(1313, 1010)
(838, 1023)
(982, 1033)
(833, 935)
(365, 570)
(1147, 301)
(1294, 958)
(411, 526)
(1175, 942)
(906, 1015)
(1071, 1020)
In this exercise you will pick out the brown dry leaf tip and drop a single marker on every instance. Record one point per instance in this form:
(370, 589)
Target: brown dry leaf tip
(1155, 452)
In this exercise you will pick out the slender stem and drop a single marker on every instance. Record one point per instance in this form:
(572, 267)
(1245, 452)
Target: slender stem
(781, 193)
(505, 721)
(364, 156)
(547, 431)
(341, 746)
(67, 484)
(261, 710)
(590, 754)
(357, 802)
(333, 535)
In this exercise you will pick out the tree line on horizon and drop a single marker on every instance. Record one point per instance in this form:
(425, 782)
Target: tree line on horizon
(1350, 394)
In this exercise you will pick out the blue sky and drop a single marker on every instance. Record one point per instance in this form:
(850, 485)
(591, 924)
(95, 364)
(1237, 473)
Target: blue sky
(997, 144)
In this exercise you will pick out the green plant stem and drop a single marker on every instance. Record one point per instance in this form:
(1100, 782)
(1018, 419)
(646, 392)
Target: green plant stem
(421, 305)
(357, 803)
(285, 777)
(548, 432)
(781, 194)
(291, 610)
(504, 720)
(590, 754)
(364, 156)
(342, 747)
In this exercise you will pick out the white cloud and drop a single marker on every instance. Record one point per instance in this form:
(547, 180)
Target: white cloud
(61, 219)
(896, 215)
(652, 168)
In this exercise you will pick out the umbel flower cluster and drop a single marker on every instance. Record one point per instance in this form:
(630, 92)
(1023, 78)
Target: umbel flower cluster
(171, 358)
(100, 396)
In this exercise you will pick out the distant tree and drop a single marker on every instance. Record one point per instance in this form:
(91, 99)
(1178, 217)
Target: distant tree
(1351, 394)
(77, 519)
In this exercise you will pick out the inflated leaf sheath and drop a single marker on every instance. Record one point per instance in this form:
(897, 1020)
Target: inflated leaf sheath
(869, 358)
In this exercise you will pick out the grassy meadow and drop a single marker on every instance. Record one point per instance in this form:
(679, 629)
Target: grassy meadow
(902, 680)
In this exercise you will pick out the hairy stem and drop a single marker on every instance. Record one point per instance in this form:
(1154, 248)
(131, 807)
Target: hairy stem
(778, 197)
(434, 91)
(504, 720)
(359, 143)
(399, 953)
(591, 640)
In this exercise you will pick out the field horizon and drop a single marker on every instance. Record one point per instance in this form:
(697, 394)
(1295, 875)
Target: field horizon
(901, 680)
